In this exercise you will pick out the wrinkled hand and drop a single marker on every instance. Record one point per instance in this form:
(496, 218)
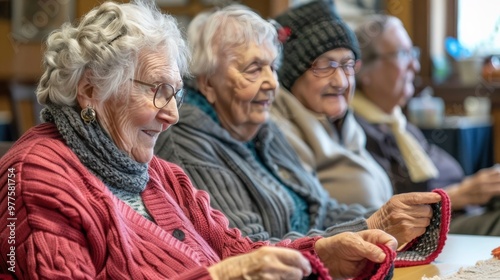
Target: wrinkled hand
(263, 263)
(405, 216)
(476, 189)
(346, 254)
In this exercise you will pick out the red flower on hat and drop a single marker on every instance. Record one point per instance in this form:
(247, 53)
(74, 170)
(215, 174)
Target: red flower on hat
(284, 33)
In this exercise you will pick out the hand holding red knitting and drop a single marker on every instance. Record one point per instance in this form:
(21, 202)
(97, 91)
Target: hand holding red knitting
(346, 254)
(263, 263)
(476, 189)
(405, 216)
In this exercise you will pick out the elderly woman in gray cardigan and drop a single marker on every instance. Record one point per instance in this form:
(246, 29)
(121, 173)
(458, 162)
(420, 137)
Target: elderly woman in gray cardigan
(227, 145)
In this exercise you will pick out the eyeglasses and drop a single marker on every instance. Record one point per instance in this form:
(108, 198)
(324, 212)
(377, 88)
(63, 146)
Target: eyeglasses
(164, 93)
(324, 68)
(403, 56)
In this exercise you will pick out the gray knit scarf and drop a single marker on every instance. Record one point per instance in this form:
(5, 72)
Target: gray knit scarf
(96, 150)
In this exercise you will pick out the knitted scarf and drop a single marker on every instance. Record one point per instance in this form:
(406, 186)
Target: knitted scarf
(96, 150)
(420, 166)
(299, 218)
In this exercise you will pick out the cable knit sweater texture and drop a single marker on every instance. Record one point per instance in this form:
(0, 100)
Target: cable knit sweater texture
(252, 199)
(69, 225)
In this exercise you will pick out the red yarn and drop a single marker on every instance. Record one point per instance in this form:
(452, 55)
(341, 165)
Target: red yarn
(379, 271)
(444, 227)
(318, 268)
(373, 271)
(384, 270)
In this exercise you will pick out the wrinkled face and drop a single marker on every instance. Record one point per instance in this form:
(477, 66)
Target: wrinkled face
(392, 74)
(131, 119)
(327, 94)
(243, 90)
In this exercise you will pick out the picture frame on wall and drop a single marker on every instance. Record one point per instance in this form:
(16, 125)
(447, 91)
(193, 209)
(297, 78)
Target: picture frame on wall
(32, 21)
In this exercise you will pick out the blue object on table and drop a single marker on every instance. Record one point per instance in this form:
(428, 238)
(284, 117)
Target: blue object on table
(471, 144)
(455, 49)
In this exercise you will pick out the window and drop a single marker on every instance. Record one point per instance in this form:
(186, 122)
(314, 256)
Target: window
(478, 26)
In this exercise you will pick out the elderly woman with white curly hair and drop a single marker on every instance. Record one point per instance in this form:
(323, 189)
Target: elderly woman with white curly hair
(88, 200)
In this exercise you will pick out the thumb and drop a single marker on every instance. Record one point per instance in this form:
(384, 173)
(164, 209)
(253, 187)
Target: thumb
(373, 253)
(293, 258)
(377, 236)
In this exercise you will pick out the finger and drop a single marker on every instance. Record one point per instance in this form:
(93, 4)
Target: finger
(490, 186)
(281, 271)
(293, 258)
(489, 171)
(275, 270)
(291, 272)
(487, 180)
(409, 225)
(492, 173)
(415, 198)
(391, 243)
(418, 211)
(410, 213)
(419, 223)
(371, 252)
(485, 176)
(490, 190)
(377, 236)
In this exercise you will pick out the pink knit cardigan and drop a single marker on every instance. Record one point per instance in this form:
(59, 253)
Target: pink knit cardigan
(67, 224)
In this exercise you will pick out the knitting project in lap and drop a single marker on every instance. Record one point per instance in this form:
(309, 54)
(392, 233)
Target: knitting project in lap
(373, 271)
(425, 248)
(422, 250)
(380, 271)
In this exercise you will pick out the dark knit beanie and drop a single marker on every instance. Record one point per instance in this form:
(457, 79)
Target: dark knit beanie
(312, 29)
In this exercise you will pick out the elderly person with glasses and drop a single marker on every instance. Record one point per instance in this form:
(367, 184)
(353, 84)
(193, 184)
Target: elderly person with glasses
(311, 108)
(227, 144)
(84, 196)
(385, 84)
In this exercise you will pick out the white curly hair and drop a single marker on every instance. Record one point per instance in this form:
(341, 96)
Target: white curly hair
(107, 42)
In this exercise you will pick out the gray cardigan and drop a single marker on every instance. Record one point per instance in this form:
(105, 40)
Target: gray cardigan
(251, 198)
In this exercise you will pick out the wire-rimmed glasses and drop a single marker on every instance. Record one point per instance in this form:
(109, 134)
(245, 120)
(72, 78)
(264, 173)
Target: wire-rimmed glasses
(403, 56)
(325, 67)
(164, 93)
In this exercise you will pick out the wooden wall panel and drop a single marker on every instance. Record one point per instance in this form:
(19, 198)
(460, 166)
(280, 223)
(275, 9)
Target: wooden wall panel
(402, 9)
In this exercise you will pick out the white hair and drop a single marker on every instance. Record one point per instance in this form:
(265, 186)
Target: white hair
(213, 37)
(107, 43)
(369, 33)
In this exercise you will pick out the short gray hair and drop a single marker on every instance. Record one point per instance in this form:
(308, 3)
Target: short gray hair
(107, 42)
(213, 37)
(369, 32)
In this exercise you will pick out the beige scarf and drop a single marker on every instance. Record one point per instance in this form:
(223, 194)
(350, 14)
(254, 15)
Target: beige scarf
(419, 165)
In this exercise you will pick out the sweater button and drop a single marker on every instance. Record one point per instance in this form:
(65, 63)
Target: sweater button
(179, 234)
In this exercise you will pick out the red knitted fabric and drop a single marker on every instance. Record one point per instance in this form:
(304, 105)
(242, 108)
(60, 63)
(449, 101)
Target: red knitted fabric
(373, 271)
(70, 226)
(319, 271)
(379, 271)
(425, 248)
